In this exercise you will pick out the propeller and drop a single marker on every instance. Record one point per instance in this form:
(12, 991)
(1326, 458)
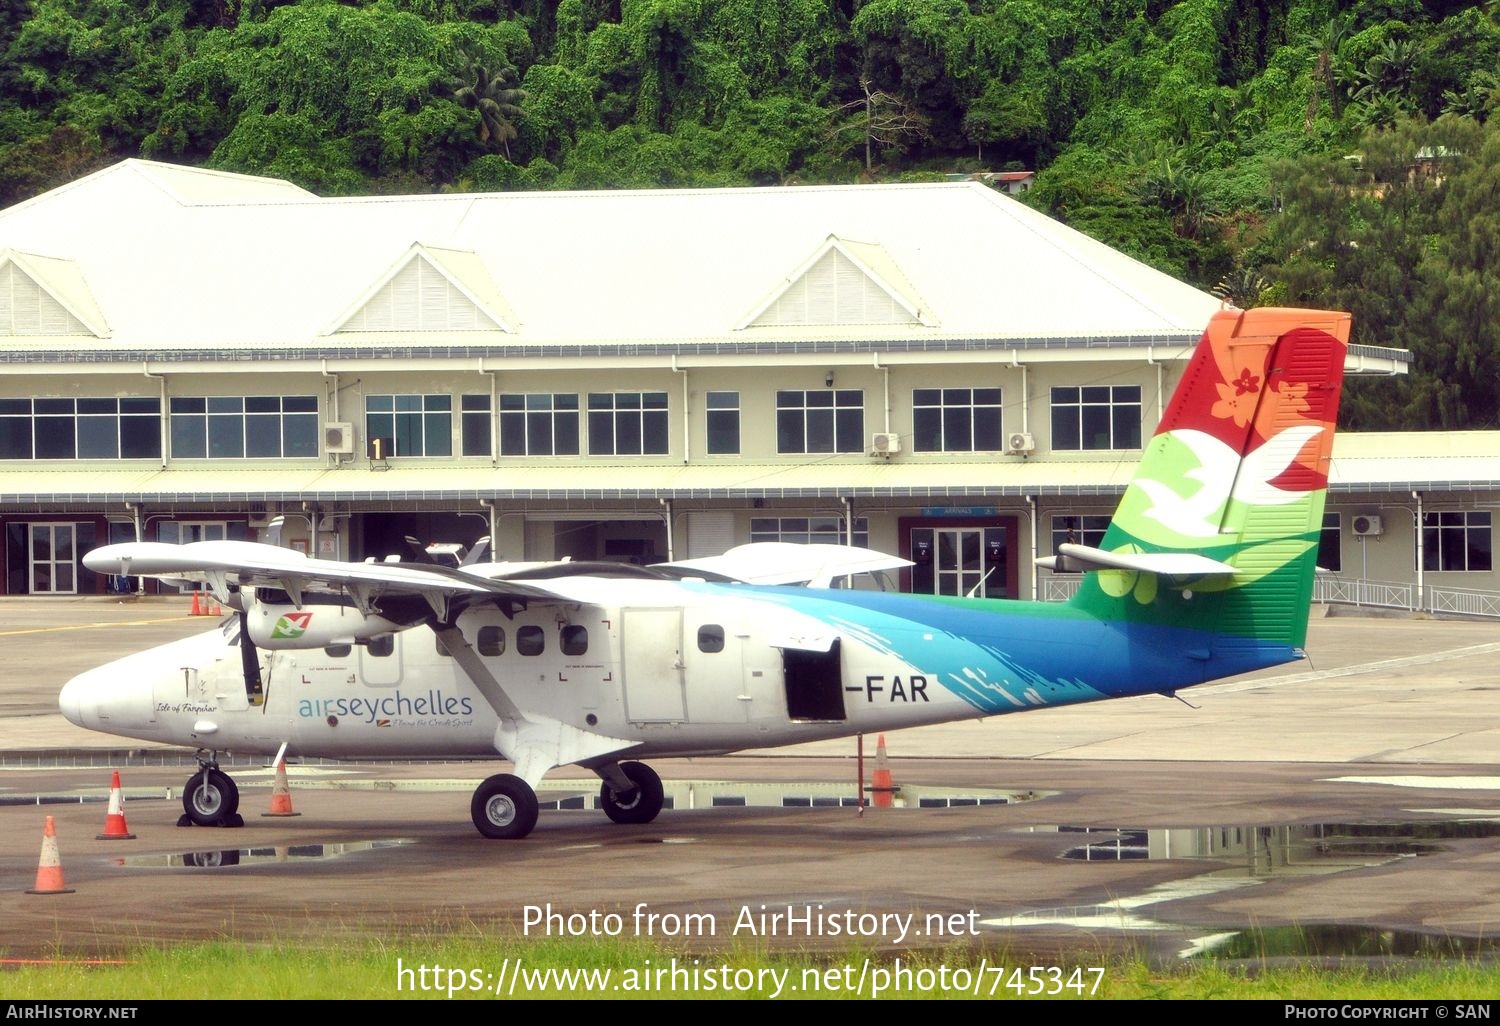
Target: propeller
(255, 688)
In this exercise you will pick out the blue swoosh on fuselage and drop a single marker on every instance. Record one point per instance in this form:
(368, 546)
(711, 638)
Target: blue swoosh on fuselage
(1002, 656)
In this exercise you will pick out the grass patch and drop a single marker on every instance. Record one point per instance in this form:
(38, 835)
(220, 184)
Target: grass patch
(486, 968)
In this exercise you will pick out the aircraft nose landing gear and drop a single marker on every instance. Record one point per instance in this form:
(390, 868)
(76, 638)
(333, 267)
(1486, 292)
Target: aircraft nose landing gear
(504, 807)
(210, 797)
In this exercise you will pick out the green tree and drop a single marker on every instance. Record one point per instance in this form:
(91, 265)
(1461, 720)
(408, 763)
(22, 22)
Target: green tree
(1399, 234)
(497, 98)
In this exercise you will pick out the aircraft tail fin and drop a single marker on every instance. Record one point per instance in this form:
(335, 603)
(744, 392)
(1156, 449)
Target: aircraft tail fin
(1219, 528)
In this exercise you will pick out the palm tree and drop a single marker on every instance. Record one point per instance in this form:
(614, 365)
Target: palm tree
(496, 98)
(1242, 286)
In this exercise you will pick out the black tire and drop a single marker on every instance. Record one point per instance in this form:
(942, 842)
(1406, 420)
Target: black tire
(210, 798)
(639, 805)
(504, 807)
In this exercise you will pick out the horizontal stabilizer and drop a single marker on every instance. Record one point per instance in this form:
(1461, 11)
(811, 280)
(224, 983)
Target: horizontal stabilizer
(1073, 558)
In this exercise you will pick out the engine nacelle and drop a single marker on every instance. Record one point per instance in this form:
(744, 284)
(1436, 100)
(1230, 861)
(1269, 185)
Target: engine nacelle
(315, 625)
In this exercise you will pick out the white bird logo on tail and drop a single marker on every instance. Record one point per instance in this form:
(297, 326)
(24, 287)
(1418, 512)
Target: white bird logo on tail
(1190, 515)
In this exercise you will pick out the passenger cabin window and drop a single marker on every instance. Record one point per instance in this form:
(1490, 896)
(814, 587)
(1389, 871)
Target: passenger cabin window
(710, 638)
(491, 641)
(530, 641)
(575, 640)
(382, 645)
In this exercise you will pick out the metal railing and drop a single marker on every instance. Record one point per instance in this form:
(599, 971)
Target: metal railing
(1355, 591)
(1463, 601)
(1057, 588)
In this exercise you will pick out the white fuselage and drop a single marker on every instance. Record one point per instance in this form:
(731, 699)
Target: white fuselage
(669, 669)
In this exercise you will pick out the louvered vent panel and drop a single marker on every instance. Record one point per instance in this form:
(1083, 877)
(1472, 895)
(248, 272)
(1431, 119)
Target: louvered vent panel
(823, 291)
(27, 309)
(406, 297)
(835, 291)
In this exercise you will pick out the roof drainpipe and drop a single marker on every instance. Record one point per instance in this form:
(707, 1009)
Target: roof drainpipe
(1421, 556)
(494, 427)
(687, 427)
(161, 423)
(886, 374)
(331, 382)
(1015, 362)
(312, 529)
(140, 536)
(666, 505)
(489, 505)
(1161, 399)
(1035, 552)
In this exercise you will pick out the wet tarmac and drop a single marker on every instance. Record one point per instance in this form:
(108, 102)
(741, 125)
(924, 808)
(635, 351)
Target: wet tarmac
(1343, 810)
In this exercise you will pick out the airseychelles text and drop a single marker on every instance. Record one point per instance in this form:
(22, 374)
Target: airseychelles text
(372, 710)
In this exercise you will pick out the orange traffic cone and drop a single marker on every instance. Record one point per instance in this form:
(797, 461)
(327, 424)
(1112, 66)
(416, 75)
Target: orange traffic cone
(49, 873)
(880, 782)
(281, 794)
(197, 609)
(215, 609)
(114, 820)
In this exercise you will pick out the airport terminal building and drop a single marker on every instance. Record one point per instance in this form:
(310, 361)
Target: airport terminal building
(935, 370)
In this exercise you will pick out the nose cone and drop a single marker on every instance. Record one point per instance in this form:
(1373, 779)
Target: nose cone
(70, 701)
(110, 699)
(81, 698)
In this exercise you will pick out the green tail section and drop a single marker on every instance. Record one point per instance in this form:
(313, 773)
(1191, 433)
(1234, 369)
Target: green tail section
(1237, 472)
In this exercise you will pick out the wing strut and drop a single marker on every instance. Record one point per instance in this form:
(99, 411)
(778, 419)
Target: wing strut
(534, 743)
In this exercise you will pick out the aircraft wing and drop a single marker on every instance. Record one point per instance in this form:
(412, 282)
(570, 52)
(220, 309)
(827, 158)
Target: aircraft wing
(221, 563)
(814, 565)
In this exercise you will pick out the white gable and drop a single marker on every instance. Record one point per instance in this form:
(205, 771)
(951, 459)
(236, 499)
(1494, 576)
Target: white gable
(38, 296)
(842, 284)
(431, 290)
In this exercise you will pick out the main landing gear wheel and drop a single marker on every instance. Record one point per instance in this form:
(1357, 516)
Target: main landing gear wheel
(210, 798)
(504, 807)
(638, 805)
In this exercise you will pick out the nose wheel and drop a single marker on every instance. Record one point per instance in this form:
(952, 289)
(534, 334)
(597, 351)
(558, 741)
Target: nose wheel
(210, 798)
(504, 807)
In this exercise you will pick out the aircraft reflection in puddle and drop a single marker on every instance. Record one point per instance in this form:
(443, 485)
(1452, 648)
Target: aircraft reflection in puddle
(247, 856)
(1255, 855)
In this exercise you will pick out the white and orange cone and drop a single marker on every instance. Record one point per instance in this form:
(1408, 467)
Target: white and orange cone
(281, 794)
(880, 782)
(49, 872)
(114, 820)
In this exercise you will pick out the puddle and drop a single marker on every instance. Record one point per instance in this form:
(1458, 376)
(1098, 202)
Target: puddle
(1249, 856)
(1271, 851)
(731, 794)
(248, 856)
(1350, 941)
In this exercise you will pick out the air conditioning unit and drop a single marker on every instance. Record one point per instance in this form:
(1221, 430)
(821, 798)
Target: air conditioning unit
(1021, 442)
(885, 444)
(1367, 526)
(338, 439)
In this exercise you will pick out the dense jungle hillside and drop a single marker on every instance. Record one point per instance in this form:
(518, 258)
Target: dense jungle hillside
(1300, 152)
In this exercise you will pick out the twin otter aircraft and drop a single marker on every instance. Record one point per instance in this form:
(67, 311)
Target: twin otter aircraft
(1205, 571)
